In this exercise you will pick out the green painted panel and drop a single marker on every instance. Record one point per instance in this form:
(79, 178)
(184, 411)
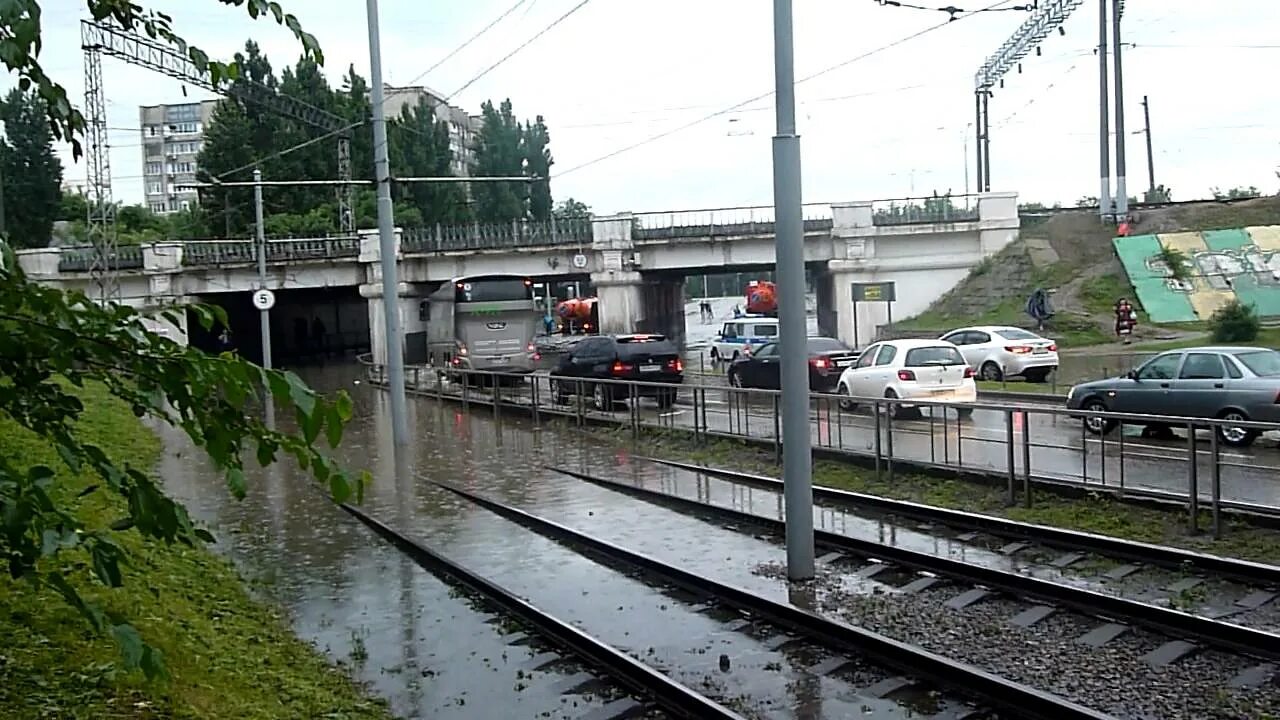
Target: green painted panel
(1226, 239)
(1162, 303)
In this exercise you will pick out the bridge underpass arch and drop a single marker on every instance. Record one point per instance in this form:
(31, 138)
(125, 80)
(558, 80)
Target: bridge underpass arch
(307, 324)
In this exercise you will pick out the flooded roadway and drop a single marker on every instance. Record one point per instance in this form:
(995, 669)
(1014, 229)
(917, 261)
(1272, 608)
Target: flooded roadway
(425, 647)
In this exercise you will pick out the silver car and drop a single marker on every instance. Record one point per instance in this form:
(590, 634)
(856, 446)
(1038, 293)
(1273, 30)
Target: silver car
(1230, 383)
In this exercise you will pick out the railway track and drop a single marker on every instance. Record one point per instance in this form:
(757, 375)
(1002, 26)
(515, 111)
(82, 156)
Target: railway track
(1256, 585)
(587, 666)
(870, 667)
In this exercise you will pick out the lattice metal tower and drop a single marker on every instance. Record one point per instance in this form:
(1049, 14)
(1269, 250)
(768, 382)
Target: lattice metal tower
(103, 271)
(1044, 20)
(96, 40)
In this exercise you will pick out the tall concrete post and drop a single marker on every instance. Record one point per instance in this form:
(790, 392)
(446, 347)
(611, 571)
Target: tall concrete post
(1104, 120)
(265, 315)
(788, 214)
(386, 239)
(1122, 191)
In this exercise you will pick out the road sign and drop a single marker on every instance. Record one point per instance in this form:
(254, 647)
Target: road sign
(874, 292)
(579, 261)
(264, 299)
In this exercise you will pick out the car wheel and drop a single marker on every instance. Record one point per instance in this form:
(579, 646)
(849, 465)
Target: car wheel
(964, 413)
(896, 411)
(559, 394)
(1038, 375)
(1094, 424)
(715, 355)
(735, 357)
(735, 379)
(991, 372)
(603, 397)
(848, 405)
(666, 399)
(1235, 436)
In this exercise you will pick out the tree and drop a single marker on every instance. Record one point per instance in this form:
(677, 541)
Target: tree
(1158, 194)
(499, 153)
(32, 173)
(52, 342)
(1235, 322)
(571, 208)
(1236, 193)
(537, 164)
(418, 146)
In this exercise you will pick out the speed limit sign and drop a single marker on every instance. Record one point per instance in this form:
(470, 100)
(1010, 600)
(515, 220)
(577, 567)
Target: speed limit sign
(264, 299)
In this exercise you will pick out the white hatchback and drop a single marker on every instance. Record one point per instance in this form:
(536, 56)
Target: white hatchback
(999, 351)
(932, 370)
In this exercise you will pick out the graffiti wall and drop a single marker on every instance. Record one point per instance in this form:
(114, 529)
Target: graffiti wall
(1224, 265)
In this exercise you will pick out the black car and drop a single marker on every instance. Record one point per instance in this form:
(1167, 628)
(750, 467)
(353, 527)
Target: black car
(828, 358)
(643, 358)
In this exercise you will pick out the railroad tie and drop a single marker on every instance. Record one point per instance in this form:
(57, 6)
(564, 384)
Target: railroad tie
(1013, 547)
(617, 710)
(919, 585)
(1256, 676)
(1256, 599)
(830, 558)
(887, 687)
(968, 537)
(1032, 615)
(1170, 652)
(1121, 572)
(1067, 560)
(829, 666)
(573, 683)
(1184, 584)
(967, 598)
(541, 660)
(869, 571)
(1102, 634)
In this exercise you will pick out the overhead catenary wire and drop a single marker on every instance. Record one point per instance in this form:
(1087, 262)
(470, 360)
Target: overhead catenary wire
(725, 111)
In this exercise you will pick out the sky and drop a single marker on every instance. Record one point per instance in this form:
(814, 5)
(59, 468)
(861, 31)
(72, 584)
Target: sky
(889, 114)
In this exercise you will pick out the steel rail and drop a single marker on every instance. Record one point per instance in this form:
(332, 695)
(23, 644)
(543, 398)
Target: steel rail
(1176, 623)
(1013, 698)
(1131, 550)
(620, 667)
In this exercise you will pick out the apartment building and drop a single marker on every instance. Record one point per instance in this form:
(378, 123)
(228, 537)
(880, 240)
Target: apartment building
(463, 127)
(172, 136)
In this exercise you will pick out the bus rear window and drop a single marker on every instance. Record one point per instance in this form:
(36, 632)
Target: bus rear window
(493, 290)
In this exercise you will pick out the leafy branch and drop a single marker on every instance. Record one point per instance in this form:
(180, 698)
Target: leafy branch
(52, 343)
(20, 45)
(1178, 263)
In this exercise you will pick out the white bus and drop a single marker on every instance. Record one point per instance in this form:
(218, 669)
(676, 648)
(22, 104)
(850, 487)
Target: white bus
(483, 322)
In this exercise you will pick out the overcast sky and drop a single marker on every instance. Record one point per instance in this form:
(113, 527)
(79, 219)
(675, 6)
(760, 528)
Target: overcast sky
(894, 124)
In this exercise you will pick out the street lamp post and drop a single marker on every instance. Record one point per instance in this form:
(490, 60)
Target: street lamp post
(797, 464)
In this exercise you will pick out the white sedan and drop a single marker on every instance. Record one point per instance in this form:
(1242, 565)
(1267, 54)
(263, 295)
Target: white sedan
(932, 370)
(998, 351)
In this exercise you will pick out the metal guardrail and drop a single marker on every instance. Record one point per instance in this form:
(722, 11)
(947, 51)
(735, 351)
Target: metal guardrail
(78, 259)
(497, 236)
(1026, 451)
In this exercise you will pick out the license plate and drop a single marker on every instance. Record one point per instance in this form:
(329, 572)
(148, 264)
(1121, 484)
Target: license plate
(650, 368)
(501, 360)
(940, 392)
(1040, 351)
(842, 363)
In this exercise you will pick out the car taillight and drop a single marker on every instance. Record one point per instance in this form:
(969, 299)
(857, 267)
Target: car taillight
(820, 363)
(621, 368)
(906, 375)
(1053, 347)
(968, 372)
(531, 348)
(676, 365)
(1277, 399)
(746, 349)
(1017, 349)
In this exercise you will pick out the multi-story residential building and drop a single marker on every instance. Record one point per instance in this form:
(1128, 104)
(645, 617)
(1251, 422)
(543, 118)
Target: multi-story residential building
(172, 136)
(463, 127)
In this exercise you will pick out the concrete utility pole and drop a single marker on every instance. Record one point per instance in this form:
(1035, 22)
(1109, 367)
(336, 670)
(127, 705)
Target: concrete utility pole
(1104, 132)
(387, 241)
(265, 314)
(1122, 191)
(1151, 160)
(797, 462)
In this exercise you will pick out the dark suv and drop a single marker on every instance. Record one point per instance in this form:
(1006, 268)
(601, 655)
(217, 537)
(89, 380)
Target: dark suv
(643, 358)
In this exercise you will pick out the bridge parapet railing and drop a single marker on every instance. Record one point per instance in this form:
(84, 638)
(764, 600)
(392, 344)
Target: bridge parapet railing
(231, 252)
(497, 236)
(80, 259)
(723, 222)
(933, 209)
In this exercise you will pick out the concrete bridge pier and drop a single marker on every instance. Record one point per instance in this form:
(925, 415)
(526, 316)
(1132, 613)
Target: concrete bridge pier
(413, 322)
(620, 298)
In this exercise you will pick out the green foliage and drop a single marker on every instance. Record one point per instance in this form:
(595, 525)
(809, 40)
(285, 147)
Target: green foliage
(571, 208)
(1236, 193)
(418, 145)
(1235, 322)
(1177, 261)
(49, 340)
(20, 47)
(537, 163)
(1158, 194)
(1087, 201)
(31, 171)
(508, 148)
(226, 655)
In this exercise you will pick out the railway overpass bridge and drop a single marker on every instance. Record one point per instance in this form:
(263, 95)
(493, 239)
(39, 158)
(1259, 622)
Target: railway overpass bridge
(638, 263)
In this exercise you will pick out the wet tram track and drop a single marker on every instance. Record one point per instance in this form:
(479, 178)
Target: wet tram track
(1125, 657)
(758, 657)
(1218, 588)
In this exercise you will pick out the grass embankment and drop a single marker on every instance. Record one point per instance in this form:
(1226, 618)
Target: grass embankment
(228, 656)
(1096, 513)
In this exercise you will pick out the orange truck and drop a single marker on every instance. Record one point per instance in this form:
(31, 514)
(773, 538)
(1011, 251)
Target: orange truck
(762, 298)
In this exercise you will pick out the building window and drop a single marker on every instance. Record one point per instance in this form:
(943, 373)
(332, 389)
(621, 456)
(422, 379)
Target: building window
(185, 204)
(189, 112)
(185, 166)
(157, 207)
(153, 188)
(184, 128)
(154, 168)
